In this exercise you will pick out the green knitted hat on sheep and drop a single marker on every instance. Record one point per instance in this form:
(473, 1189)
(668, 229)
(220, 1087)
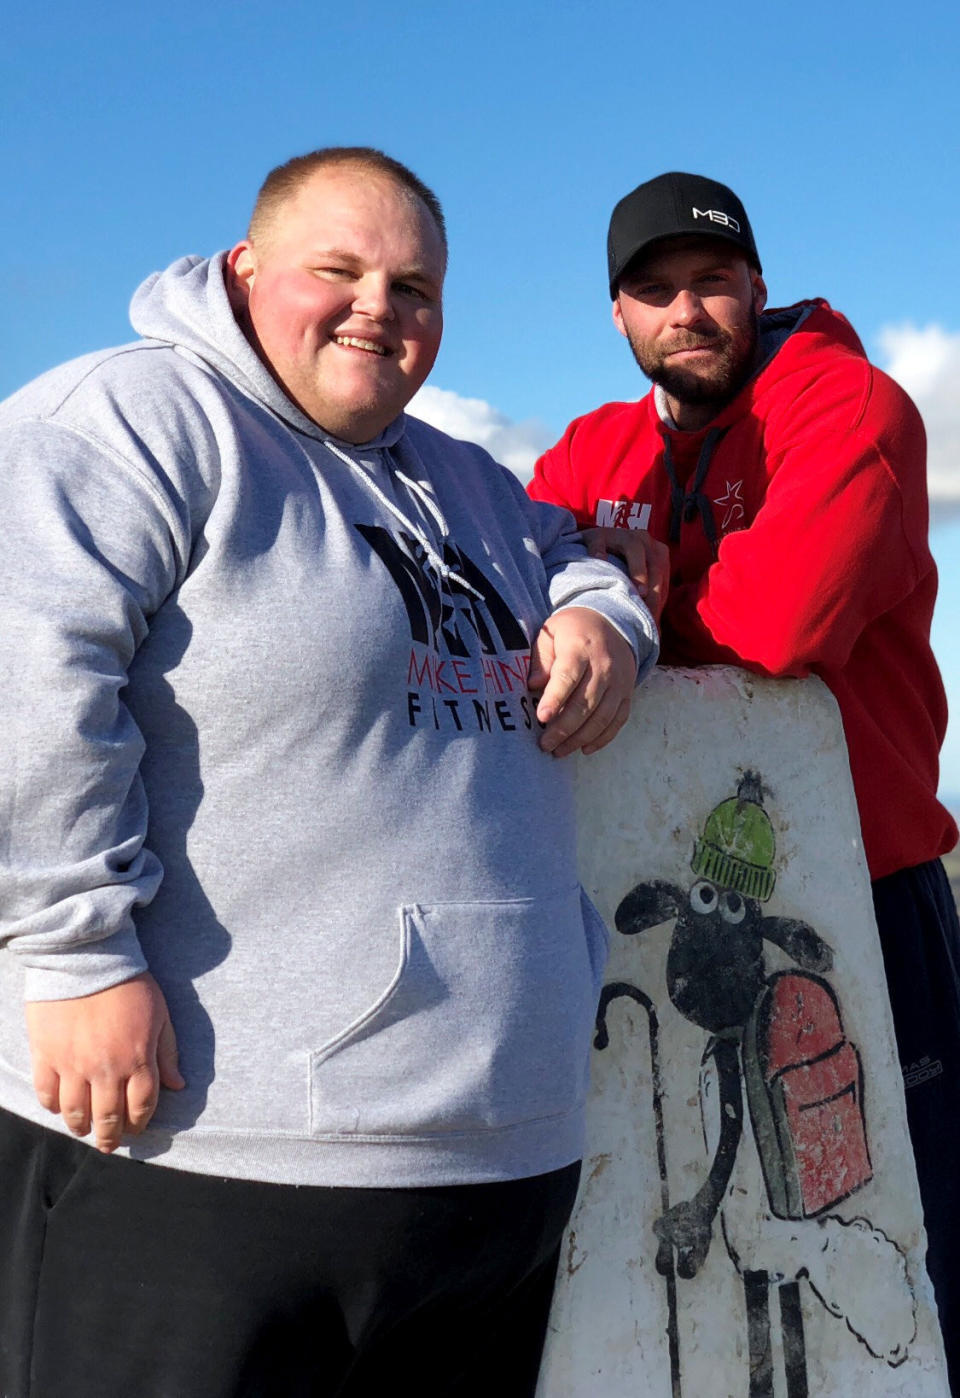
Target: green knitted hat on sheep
(737, 847)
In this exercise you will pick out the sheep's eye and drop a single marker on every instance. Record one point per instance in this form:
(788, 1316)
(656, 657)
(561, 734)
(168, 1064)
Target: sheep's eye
(703, 897)
(732, 907)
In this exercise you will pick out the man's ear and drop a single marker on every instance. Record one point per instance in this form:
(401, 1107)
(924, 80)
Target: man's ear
(241, 270)
(618, 317)
(759, 291)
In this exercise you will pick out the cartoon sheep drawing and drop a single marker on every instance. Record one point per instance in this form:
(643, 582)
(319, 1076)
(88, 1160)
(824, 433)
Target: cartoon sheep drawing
(777, 1060)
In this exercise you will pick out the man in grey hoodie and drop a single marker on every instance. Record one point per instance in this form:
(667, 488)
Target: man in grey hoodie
(288, 881)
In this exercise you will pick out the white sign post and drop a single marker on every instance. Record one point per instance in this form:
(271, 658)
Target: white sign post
(748, 1223)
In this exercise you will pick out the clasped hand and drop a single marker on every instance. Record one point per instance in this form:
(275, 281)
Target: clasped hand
(646, 558)
(586, 672)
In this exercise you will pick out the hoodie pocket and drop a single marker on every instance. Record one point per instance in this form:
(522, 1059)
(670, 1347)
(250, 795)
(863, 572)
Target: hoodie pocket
(485, 1024)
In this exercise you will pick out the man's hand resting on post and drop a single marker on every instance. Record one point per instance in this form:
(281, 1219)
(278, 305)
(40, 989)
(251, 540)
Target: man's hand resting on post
(100, 1060)
(647, 560)
(586, 672)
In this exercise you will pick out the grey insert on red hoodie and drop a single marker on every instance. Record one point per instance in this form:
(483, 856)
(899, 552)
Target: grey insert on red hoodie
(266, 732)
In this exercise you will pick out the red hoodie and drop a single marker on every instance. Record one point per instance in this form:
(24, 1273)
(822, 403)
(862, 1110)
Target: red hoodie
(815, 487)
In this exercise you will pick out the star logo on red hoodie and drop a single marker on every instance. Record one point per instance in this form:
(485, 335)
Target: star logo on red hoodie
(733, 505)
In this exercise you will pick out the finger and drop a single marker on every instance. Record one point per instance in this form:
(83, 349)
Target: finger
(655, 599)
(143, 1091)
(647, 560)
(596, 721)
(632, 546)
(658, 585)
(107, 1112)
(595, 540)
(577, 709)
(610, 732)
(75, 1103)
(46, 1084)
(565, 695)
(168, 1059)
(636, 557)
(541, 661)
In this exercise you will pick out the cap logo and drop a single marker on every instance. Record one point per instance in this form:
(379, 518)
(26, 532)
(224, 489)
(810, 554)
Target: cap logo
(716, 216)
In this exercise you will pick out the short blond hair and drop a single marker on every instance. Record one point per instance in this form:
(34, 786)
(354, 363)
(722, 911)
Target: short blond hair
(284, 181)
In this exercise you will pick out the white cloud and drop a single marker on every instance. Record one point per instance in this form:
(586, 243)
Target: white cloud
(926, 361)
(516, 444)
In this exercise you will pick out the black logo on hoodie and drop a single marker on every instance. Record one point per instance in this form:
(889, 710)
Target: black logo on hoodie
(449, 625)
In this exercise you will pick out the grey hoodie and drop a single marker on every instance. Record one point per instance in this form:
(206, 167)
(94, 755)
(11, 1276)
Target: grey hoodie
(266, 732)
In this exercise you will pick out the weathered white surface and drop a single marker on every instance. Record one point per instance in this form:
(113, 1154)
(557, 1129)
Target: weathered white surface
(643, 803)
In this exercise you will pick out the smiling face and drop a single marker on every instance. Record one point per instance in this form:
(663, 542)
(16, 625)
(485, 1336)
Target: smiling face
(689, 309)
(341, 298)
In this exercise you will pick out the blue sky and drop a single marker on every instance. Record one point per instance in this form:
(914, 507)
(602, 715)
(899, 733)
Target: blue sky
(131, 135)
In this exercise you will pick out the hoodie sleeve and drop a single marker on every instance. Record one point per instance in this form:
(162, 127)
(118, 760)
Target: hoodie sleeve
(92, 547)
(575, 579)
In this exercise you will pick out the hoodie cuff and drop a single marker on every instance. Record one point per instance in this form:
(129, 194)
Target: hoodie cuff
(68, 975)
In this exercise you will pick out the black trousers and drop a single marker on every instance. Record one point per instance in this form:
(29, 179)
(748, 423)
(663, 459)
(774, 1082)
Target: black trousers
(920, 938)
(125, 1280)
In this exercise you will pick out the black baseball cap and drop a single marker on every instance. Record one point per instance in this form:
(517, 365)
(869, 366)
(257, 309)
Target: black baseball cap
(672, 204)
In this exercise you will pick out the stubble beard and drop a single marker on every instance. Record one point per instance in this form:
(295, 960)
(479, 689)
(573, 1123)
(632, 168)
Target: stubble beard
(695, 387)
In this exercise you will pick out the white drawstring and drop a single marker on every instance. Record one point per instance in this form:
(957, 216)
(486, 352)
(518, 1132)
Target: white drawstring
(429, 504)
(438, 565)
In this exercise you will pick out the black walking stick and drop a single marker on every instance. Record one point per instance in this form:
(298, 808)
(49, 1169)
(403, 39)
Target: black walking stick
(601, 1039)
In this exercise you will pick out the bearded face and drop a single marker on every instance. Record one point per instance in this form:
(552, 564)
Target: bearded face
(691, 313)
(700, 367)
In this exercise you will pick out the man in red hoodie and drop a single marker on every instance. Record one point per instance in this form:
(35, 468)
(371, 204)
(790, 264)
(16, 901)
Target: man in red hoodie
(785, 480)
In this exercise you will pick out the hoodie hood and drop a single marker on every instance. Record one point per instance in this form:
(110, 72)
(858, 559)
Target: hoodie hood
(820, 325)
(187, 306)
